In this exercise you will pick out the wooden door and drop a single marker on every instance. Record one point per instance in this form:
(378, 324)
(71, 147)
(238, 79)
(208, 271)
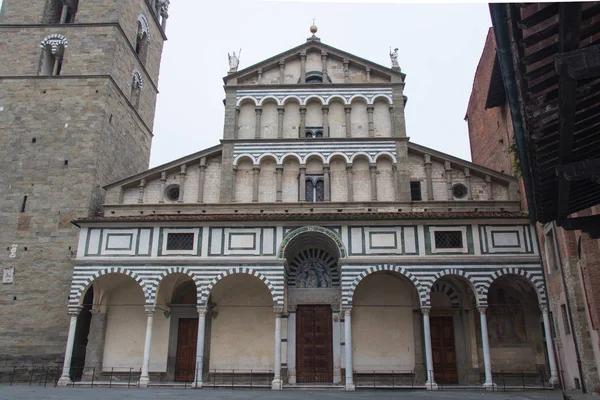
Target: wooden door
(314, 344)
(185, 361)
(444, 352)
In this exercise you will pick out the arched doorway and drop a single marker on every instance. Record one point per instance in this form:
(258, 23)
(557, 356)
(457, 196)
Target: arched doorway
(313, 289)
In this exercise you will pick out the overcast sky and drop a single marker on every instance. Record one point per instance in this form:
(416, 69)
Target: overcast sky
(439, 48)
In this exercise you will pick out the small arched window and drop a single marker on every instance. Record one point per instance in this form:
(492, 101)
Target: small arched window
(136, 89)
(53, 50)
(142, 38)
(315, 188)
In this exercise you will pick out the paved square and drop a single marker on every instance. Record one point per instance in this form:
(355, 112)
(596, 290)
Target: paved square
(50, 393)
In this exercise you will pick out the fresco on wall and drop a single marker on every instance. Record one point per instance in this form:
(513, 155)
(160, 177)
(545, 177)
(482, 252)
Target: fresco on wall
(313, 273)
(506, 324)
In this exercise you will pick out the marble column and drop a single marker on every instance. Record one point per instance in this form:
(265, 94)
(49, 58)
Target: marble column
(468, 184)
(280, 112)
(428, 179)
(233, 184)
(259, 76)
(326, 183)
(302, 193)
(281, 71)
(490, 188)
(549, 346)
(337, 353)
(258, 114)
(236, 127)
(348, 349)
(324, 65)
(448, 173)
(291, 345)
(163, 183)
(302, 132)
(325, 110)
(396, 188)
(485, 344)
(349, 180)
(201, 177)
(346, 70)
(392, 122)
(303, 67)
(373, 169)
(63, 14)
(255, 182)
(145, 376)
(141, 189)
(348, 111)
(370, 110)
(368, 74)
(277, 382)
(200, 347)
(279, 183)
(431, 385)
(181, 180)
(65, 377)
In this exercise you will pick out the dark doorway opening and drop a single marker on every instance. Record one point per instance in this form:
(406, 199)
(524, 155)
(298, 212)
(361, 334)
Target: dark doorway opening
(314, 344)
(82, 331)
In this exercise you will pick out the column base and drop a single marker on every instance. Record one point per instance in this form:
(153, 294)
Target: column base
(144, 381)
(277, 384)
(64, 381)
(197, 385)
(431, 385)
(553, 381)
(350, 387)
(489, 386)
(292, 379)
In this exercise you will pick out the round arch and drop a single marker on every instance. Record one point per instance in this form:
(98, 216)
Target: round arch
(276, 294)
(77, 290)
(269, 98)
(246, 99)
(361, 154)
(385, 154)
(338, 154)
(290, 98)
(292, 155)
(314, 97)
(174, 270)
(317, 155)
(336, 97)
(535, 280)
(267, 155)
(359, 96)
(241, 157)
(312, 228)
(448, 290)
(348, 293)
(477, 289)
(382, 97)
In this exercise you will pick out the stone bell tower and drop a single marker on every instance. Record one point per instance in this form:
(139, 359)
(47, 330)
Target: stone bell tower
(78, 87)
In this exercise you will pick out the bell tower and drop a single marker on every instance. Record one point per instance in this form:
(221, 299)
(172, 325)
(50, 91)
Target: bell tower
(78, 87)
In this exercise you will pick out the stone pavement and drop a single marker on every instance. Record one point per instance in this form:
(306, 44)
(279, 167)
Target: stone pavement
(51, 393)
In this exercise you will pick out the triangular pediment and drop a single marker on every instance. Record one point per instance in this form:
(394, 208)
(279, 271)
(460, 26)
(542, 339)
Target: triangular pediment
(314, 46)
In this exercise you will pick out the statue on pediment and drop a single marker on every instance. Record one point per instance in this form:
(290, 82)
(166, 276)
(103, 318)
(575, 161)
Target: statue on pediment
(234, 61)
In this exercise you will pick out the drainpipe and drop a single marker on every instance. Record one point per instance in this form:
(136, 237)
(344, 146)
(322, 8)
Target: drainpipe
(504, 54)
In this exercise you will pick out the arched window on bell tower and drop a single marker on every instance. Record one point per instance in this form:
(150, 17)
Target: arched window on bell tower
(142, 38)
(53, 50)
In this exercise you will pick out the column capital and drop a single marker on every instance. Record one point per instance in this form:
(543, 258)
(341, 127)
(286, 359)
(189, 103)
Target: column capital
(394, 167)
(368, 69)
(427, 158)
(323, 53)
(237, 110)
(488, 179)
(349, 167)
(281, 63)
(373, 167)
(482, 309)
(278, 310)
(258, 109)
(279, 169)
(391, 107)
(447, 166)
(235, 169)
(74, 310)
(303, 54)
(325, 108)
(346, 61)
(544, 308)
(347, 310)
(143, 182)
(202, 310)
(150, 308)
(302, 167)
(326, 168)
(280, 109)
(425, 310)
(256, 169)
(163, 176)
(347, 108)
(370, 108)
(302, 109)
(467, 172)
(183, 170)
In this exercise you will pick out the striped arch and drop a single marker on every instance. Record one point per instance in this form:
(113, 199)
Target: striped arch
(291, 97)
(56, 42)
(349, 293)
(448, 291)
(313, 96)
(243, 99)
(359, 96)
(173, 270)
(262, 100)
(314, 154)
(385, 154)
(239, 157)
(338, 154)
(277, 297)
(267, 155)
(536, 280)
(361, 153)
(477, 289)
(338, 97)
(77, 290)
(312, 228)
(385, 97)
(292, 155)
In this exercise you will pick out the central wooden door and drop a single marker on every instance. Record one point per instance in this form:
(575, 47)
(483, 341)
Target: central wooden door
(443, 349)
(314, 344)
(185, 360)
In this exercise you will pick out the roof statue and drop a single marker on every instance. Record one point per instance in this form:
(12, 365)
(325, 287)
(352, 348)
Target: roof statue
(394, 58)
(234, 61)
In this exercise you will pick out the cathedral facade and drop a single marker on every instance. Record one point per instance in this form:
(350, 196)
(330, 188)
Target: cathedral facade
(315, 245)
